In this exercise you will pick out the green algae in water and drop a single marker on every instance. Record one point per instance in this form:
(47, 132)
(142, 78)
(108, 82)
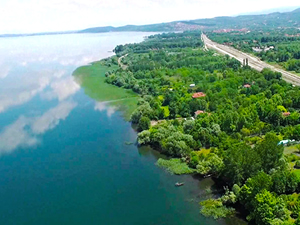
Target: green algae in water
(175, 166)
(92, 79)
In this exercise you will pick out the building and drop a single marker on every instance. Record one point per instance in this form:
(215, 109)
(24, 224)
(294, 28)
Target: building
(285, 142)
(286, 114)
(247, 86)
(199, 95)
(198, 112)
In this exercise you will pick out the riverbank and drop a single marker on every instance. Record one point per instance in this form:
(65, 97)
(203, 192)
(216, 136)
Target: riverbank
(235, 118)
(92, 79)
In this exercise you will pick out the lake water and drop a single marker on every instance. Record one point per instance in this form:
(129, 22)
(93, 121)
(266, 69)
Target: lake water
(63, 157)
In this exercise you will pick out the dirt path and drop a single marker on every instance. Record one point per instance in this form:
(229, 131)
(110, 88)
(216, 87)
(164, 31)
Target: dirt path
(124, 67)
(253, 61)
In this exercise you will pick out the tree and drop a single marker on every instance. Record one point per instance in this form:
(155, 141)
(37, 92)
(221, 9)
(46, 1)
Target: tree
(269, 209)
(270, 152)
(144, 123)
(142, 110)
(241, 162)
(144, 137)
(177, 144)
(252, 187)
(212, 164)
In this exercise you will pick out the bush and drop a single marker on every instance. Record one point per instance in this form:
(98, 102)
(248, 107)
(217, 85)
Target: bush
(144, 123)
(297, 165)
(175, 166)
(215, 208)
(144, 137)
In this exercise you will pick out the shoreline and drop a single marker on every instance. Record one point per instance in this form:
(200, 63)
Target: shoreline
(197, 177)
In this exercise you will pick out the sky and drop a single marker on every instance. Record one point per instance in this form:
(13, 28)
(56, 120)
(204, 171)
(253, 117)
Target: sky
(28, 16)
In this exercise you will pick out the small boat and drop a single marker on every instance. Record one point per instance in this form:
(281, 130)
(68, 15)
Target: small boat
(179, 184)
(207, 176)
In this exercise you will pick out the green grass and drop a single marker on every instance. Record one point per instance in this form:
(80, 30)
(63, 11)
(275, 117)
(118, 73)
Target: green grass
(175, 166)
(297, 172)
(214, 208)
(92, 79)
(290, 149)
(278, 66)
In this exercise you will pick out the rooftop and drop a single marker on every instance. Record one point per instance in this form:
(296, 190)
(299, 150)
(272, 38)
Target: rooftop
(199, 95)
(198, 112)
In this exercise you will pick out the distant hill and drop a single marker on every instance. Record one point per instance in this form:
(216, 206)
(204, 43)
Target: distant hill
(272, 20)
(172, 26)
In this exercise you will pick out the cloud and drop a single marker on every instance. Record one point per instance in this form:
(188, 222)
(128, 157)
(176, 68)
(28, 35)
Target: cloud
(22, 92)
(24, 132)
(65, 88)
(16, 135)
(14, 93)
(51, 118)
(102, 106)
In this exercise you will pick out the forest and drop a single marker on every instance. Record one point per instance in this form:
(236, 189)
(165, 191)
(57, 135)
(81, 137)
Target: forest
(217, 118)
(280, 46)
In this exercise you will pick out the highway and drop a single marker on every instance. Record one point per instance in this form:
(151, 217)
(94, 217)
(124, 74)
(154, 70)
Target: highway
(253, 61)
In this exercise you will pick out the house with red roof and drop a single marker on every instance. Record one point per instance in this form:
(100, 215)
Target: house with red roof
(198, 112)
(199, 95)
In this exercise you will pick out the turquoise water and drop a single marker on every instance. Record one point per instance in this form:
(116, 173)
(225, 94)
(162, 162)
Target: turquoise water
(63, 157)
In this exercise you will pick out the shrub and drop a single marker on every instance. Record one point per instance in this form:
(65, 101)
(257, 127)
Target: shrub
(297, 165)
(144, 137)
(144, 123)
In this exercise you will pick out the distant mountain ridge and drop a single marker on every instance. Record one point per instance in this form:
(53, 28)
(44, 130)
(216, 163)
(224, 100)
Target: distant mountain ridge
(275, 19)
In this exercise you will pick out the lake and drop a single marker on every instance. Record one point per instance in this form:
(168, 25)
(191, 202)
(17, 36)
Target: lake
(63, 157)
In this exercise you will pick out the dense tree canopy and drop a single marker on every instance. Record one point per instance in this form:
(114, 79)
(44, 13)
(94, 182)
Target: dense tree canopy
(221, 118)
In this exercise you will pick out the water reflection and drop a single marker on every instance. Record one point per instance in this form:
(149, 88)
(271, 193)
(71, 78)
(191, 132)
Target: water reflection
(4, 72)
(103, 106)
(25, 130)
(61, 89)
(37, 89)
(21, 88)
(16, 135)
(51, 118)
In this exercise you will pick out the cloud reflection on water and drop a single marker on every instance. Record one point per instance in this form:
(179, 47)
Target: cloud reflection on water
(25, 131)
(4, 71)
(61, 89)
(102, 106)
(13, 94)
(21, 91)
(16, 135)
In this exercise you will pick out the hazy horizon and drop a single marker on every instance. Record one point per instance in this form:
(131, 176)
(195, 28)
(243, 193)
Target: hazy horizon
(33, 16)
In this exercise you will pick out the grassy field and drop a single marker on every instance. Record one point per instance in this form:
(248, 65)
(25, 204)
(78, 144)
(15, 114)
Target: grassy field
(175, 166)
(92, 79)
(282, 68)
(290, 149)
(293, 153)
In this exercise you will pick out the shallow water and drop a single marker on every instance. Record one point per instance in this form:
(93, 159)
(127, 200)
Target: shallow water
(63, 157)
